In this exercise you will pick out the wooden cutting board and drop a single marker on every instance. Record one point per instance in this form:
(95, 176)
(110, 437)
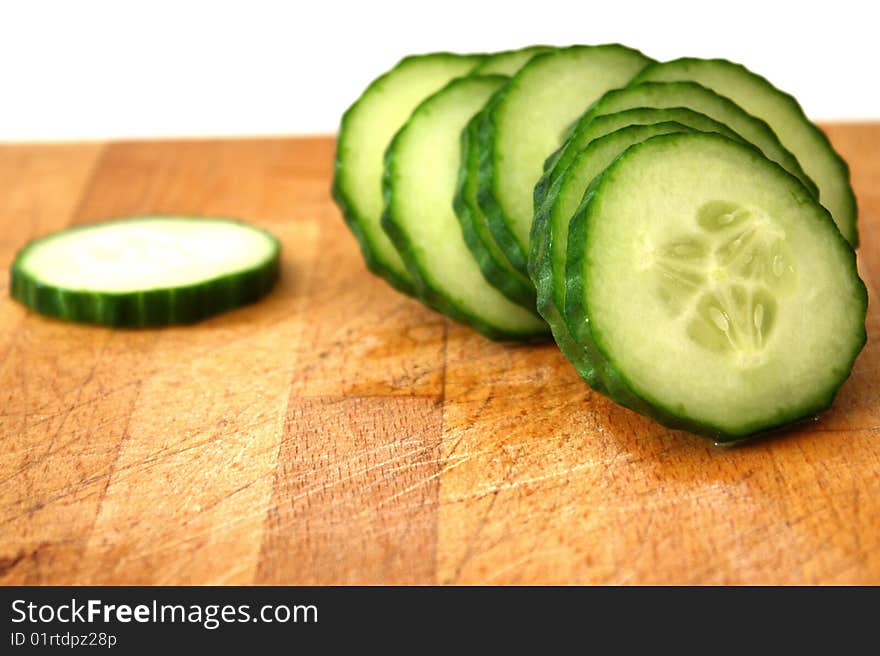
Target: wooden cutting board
(339, 432)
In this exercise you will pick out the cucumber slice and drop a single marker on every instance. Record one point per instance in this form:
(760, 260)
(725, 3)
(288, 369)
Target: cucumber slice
(421, 169)
(146, 271)
(526, 120)
(717, 291)
(782, 112)
(673, 94)
(366, 130)
(474, 225)
(549, 238)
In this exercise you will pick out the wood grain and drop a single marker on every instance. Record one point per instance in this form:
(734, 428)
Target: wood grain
(338, 432)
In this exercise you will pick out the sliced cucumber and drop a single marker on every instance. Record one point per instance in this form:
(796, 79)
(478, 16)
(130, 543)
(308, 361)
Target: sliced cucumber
(717, 291)
(527, 119)
(496, 268)
(673, 94)
(146, 271)
(494, 264)
(508, 62)
(366, 130)
(782, 112)
(421, 169)
(550, 230)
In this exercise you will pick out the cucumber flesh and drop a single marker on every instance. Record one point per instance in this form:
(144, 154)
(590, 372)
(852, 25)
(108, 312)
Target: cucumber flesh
(366, 130)
(549, 244)
(674, 94)
(550, 280)
(550, 230)
(146, 271)
(525, 121)
(784, 115)
(421, 170)
(719, 294)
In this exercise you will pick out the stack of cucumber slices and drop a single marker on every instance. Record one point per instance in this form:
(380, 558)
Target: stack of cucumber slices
(681, 228)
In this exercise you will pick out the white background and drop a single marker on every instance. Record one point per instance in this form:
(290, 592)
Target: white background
(98, 69)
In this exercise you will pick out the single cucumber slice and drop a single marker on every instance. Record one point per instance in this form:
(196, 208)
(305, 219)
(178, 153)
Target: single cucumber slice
(719, 293)
(421, 168)
(674, 94)
(474, 225)
(550, 230)
(526, 120)
(366, 130)
(146, 271)
(782, 112)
